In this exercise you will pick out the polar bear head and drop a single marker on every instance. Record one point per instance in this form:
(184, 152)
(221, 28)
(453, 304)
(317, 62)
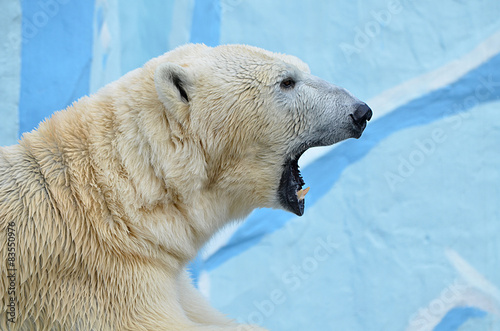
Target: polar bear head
(253, 113)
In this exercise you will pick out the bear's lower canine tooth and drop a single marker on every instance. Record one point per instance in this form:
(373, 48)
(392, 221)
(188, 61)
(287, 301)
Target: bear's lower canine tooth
(302, 193)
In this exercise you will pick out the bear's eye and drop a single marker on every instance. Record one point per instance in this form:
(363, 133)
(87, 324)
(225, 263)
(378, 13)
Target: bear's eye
(287, 83)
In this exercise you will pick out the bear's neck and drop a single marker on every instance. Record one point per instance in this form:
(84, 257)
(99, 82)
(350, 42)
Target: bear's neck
(133, 178)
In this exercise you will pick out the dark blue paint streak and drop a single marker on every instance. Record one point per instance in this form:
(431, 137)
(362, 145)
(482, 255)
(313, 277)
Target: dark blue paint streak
(56, 57)
(194, 267)
(324, 173)
(205, 26)
(458, 316)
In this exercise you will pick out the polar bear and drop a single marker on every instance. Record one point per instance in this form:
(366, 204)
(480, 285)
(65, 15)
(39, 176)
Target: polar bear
(103, 205)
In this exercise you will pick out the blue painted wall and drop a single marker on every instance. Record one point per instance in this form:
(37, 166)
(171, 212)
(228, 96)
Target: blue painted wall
(55, 65)
(401, 226)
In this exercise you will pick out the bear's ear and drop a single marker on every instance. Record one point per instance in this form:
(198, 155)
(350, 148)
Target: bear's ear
(174, 86)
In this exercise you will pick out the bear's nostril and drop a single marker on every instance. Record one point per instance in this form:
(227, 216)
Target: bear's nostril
(362, 114)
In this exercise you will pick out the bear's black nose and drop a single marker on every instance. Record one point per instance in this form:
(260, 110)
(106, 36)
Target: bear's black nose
(362, 114)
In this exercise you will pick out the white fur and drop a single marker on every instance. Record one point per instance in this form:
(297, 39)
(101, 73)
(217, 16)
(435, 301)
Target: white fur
(112, 196)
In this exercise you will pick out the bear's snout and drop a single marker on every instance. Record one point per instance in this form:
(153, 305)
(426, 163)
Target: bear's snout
(360, 116)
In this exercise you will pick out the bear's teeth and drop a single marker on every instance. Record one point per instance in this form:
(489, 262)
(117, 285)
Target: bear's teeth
(301, 194)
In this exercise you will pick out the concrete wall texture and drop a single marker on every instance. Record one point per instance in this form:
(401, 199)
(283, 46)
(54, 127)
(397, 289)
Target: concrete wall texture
(401, 227)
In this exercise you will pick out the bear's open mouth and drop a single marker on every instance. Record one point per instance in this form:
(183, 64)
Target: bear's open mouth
(290, 190)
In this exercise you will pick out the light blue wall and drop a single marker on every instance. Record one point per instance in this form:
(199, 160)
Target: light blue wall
(10, 71)
(401, 226)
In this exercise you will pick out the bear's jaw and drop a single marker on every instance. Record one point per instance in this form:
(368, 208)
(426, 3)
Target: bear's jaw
(290, 193)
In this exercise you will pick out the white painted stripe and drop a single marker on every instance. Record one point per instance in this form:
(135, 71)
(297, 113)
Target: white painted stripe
(204, 284)
(181, 23)
(106, 52)
(472, 276)
(414, 88)
(473, 290)
(218, 240)
(10, 71)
